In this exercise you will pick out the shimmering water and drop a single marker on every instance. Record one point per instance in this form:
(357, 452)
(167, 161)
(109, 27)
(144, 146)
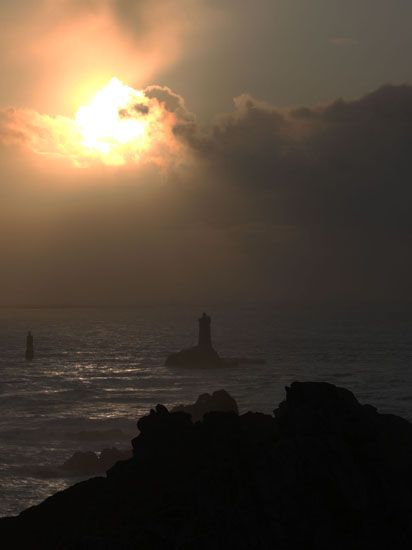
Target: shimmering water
(97, 369)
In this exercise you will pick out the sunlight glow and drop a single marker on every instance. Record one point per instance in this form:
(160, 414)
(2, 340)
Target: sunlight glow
(117, 126)
(103, 124)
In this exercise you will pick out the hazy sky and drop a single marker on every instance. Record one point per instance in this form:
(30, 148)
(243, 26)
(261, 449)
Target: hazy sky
(255, 181)
(284, 51)
(297, 52)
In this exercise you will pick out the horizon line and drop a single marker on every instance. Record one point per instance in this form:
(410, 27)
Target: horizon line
(262, 302)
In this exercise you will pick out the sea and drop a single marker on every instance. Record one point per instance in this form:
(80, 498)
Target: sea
(97, 370)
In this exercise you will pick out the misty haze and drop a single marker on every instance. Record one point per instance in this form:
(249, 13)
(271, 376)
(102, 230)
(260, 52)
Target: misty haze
(205, 283)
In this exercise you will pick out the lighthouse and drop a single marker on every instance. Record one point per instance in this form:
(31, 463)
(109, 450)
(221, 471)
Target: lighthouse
(202, 355)
(205, 337)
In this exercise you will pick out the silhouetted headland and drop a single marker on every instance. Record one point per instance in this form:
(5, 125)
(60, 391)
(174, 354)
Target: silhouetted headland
(204, 355)
(322, 473)
(29, 347)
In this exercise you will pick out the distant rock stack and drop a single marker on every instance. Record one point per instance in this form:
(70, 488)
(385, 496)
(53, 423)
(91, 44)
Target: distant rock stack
(202, 355)
(29, 347)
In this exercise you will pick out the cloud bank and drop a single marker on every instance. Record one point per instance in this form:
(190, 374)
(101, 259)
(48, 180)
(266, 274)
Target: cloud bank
(325, 191)
(300, 204)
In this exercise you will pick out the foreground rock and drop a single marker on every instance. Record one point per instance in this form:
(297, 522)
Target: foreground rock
(323, 473)
(219, 401)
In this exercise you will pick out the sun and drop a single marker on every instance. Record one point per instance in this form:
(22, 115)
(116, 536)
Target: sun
(117, 116)
(118, 126)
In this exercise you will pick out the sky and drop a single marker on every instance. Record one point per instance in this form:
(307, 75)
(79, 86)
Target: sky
(235, 151)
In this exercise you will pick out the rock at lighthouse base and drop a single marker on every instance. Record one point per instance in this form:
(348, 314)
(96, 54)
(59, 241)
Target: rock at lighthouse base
(194, 357)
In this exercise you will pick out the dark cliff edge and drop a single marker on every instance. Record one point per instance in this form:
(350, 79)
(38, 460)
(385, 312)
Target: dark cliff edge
(324, 472)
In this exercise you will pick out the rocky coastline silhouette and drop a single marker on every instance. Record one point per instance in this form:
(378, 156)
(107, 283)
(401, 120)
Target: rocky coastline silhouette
(323, 472)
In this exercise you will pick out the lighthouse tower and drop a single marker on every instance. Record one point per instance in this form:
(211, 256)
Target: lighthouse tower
(202, 355)
(205, 337)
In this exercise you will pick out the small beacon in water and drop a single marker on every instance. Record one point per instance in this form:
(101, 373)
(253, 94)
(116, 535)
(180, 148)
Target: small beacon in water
(29, 346)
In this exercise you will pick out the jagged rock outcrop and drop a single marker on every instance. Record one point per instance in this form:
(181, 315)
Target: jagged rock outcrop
(219, 401)
(324, 472)
(88, 463)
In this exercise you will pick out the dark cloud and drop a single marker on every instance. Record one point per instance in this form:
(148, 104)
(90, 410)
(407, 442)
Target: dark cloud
(347, 163)
(328, 187)
(172, 101)
(185, 126)
(137, 108)
(141, 109)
